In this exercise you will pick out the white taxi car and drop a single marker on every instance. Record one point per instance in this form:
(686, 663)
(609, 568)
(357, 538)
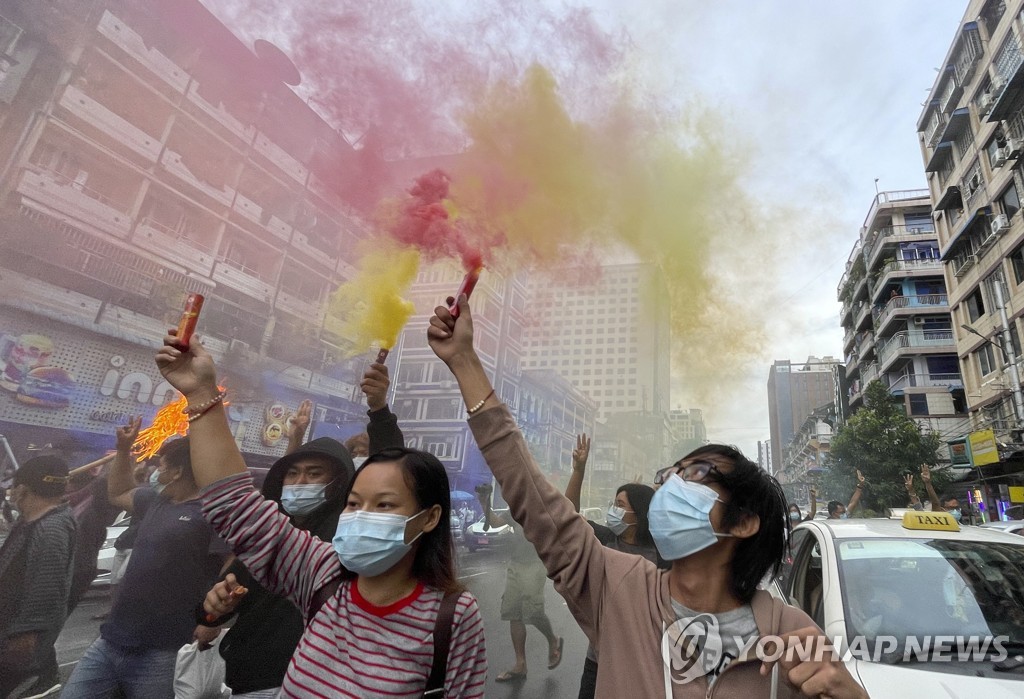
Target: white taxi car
(924, 607)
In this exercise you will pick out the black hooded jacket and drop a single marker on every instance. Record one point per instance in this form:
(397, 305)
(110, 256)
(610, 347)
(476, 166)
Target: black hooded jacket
(258, 648)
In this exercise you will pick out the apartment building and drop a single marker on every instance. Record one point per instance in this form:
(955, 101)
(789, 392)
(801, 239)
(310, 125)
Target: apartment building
(804, 459)
(795, 390)
(148, 153)
(688, 428)
(896, 314)
(971, 132)
(607, 335)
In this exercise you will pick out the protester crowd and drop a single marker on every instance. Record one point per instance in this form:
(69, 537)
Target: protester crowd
(337, 577)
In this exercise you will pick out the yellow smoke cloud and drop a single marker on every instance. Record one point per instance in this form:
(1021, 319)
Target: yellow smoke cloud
(665, 188)
(370, 310)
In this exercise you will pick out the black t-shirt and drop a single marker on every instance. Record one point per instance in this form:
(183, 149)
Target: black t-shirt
(174, 562)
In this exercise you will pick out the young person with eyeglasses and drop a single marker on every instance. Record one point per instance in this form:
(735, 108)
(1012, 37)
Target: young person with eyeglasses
(718, 519)
(384, 612)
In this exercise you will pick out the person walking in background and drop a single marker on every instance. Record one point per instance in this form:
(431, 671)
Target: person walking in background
(176, 558)
(628, 530)
(385, 614)
(523, 600)
(36, 567)
(309, 483)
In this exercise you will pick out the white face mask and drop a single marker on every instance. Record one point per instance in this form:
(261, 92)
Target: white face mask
(613, 517)
(359, 460)
(370, 543)
(154, 482)
(680, 518)
(304, 498)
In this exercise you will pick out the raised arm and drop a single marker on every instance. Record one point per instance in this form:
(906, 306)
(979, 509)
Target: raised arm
(120, 484)
(214, 452)
(286, 560)
(579, 470)
(858, 491)
(382, 429)
(574, 558)
(297, 426)
(915, 501)
(926, 476)
(813, 493)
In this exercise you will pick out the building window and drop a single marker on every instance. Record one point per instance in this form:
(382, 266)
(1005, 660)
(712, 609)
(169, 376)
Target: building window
(1017, 260)
(1010, 201)
(986, 359)
(975, 305)
(918, 404)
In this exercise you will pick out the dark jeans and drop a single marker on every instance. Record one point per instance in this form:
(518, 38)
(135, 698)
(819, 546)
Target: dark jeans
(588, 682)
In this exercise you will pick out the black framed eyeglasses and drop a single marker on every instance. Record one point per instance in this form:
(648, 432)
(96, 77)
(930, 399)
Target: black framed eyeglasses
(696, 471)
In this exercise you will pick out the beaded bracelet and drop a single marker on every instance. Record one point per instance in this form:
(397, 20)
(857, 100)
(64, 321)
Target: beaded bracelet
(196, 411)
(476, 408)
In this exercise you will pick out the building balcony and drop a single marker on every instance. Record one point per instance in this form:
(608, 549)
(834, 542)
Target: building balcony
(904, 306)
(307, 310)
(1007, 80)
(255, 213)
(280, 157)
(848, 339)
(154, 236)
(243, 279)
(901, 269)
(894, 235)
(173, 164)
(221, 115)
(846, 313)
(131, 43)
(915, 342)
(120, 130)
(935, 127)
(947, 381)
(862, 311)
(248, 208)
(870, 373)
(53, 193)
(301, 243)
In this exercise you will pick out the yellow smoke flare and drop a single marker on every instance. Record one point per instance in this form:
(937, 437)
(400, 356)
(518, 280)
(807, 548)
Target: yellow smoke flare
(369, 310)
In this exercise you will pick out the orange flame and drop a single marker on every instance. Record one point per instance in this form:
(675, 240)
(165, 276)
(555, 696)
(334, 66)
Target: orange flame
(169, 421)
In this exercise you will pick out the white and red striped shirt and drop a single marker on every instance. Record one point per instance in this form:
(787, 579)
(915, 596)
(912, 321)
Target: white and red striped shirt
(351, 648)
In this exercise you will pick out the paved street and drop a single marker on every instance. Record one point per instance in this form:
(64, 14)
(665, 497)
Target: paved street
(484, 573)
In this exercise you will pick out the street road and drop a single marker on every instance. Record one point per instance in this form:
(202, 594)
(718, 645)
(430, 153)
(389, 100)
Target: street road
(483, 573)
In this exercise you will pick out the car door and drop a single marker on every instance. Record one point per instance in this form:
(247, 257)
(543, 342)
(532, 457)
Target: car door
(805, 585)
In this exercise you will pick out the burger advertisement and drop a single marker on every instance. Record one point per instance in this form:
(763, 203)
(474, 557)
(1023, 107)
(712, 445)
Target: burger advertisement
(29, 374)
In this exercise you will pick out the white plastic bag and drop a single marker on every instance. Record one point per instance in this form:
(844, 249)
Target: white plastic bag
(199, 674)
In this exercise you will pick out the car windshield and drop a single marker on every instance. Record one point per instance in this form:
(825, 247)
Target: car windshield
(920, 587)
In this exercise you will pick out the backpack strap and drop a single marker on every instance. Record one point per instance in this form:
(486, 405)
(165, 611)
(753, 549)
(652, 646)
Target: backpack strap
(442, 644)
(320, 598)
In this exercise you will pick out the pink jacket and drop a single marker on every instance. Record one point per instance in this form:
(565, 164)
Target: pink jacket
(620, 601)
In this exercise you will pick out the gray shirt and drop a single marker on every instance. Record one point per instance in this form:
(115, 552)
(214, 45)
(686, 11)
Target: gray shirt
(736, 629)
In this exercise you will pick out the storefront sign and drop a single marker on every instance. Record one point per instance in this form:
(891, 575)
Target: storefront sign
(984, 449)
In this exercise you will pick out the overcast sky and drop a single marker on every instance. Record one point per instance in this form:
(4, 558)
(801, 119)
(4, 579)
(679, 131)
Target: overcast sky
(823, 98)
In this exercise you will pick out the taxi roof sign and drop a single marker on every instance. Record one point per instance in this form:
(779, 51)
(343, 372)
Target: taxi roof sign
(930, 521)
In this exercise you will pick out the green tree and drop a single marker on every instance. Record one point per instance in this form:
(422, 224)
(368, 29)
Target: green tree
(885, 444)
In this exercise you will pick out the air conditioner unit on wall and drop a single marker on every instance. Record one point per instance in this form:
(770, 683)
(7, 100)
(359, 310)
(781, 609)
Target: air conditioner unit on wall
(985, 103)
(999, 223)
(1000, 157)
(919, 320)
(1014, 146)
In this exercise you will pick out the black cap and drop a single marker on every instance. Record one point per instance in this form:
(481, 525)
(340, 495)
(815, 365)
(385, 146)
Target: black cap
(46, 476)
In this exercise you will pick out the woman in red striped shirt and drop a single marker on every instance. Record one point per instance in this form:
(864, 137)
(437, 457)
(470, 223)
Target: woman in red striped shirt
(372, 598)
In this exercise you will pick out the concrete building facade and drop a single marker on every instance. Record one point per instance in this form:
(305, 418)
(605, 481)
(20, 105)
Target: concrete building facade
(971, 133)
(148, 153)
(896, 314)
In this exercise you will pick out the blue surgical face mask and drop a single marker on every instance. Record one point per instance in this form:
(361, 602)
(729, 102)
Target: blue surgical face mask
(154, 482)
(680, 518)
(613, 518)
(956, 514)
(844, 516)
(302, 499)
(794, 516)
(370, 543)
